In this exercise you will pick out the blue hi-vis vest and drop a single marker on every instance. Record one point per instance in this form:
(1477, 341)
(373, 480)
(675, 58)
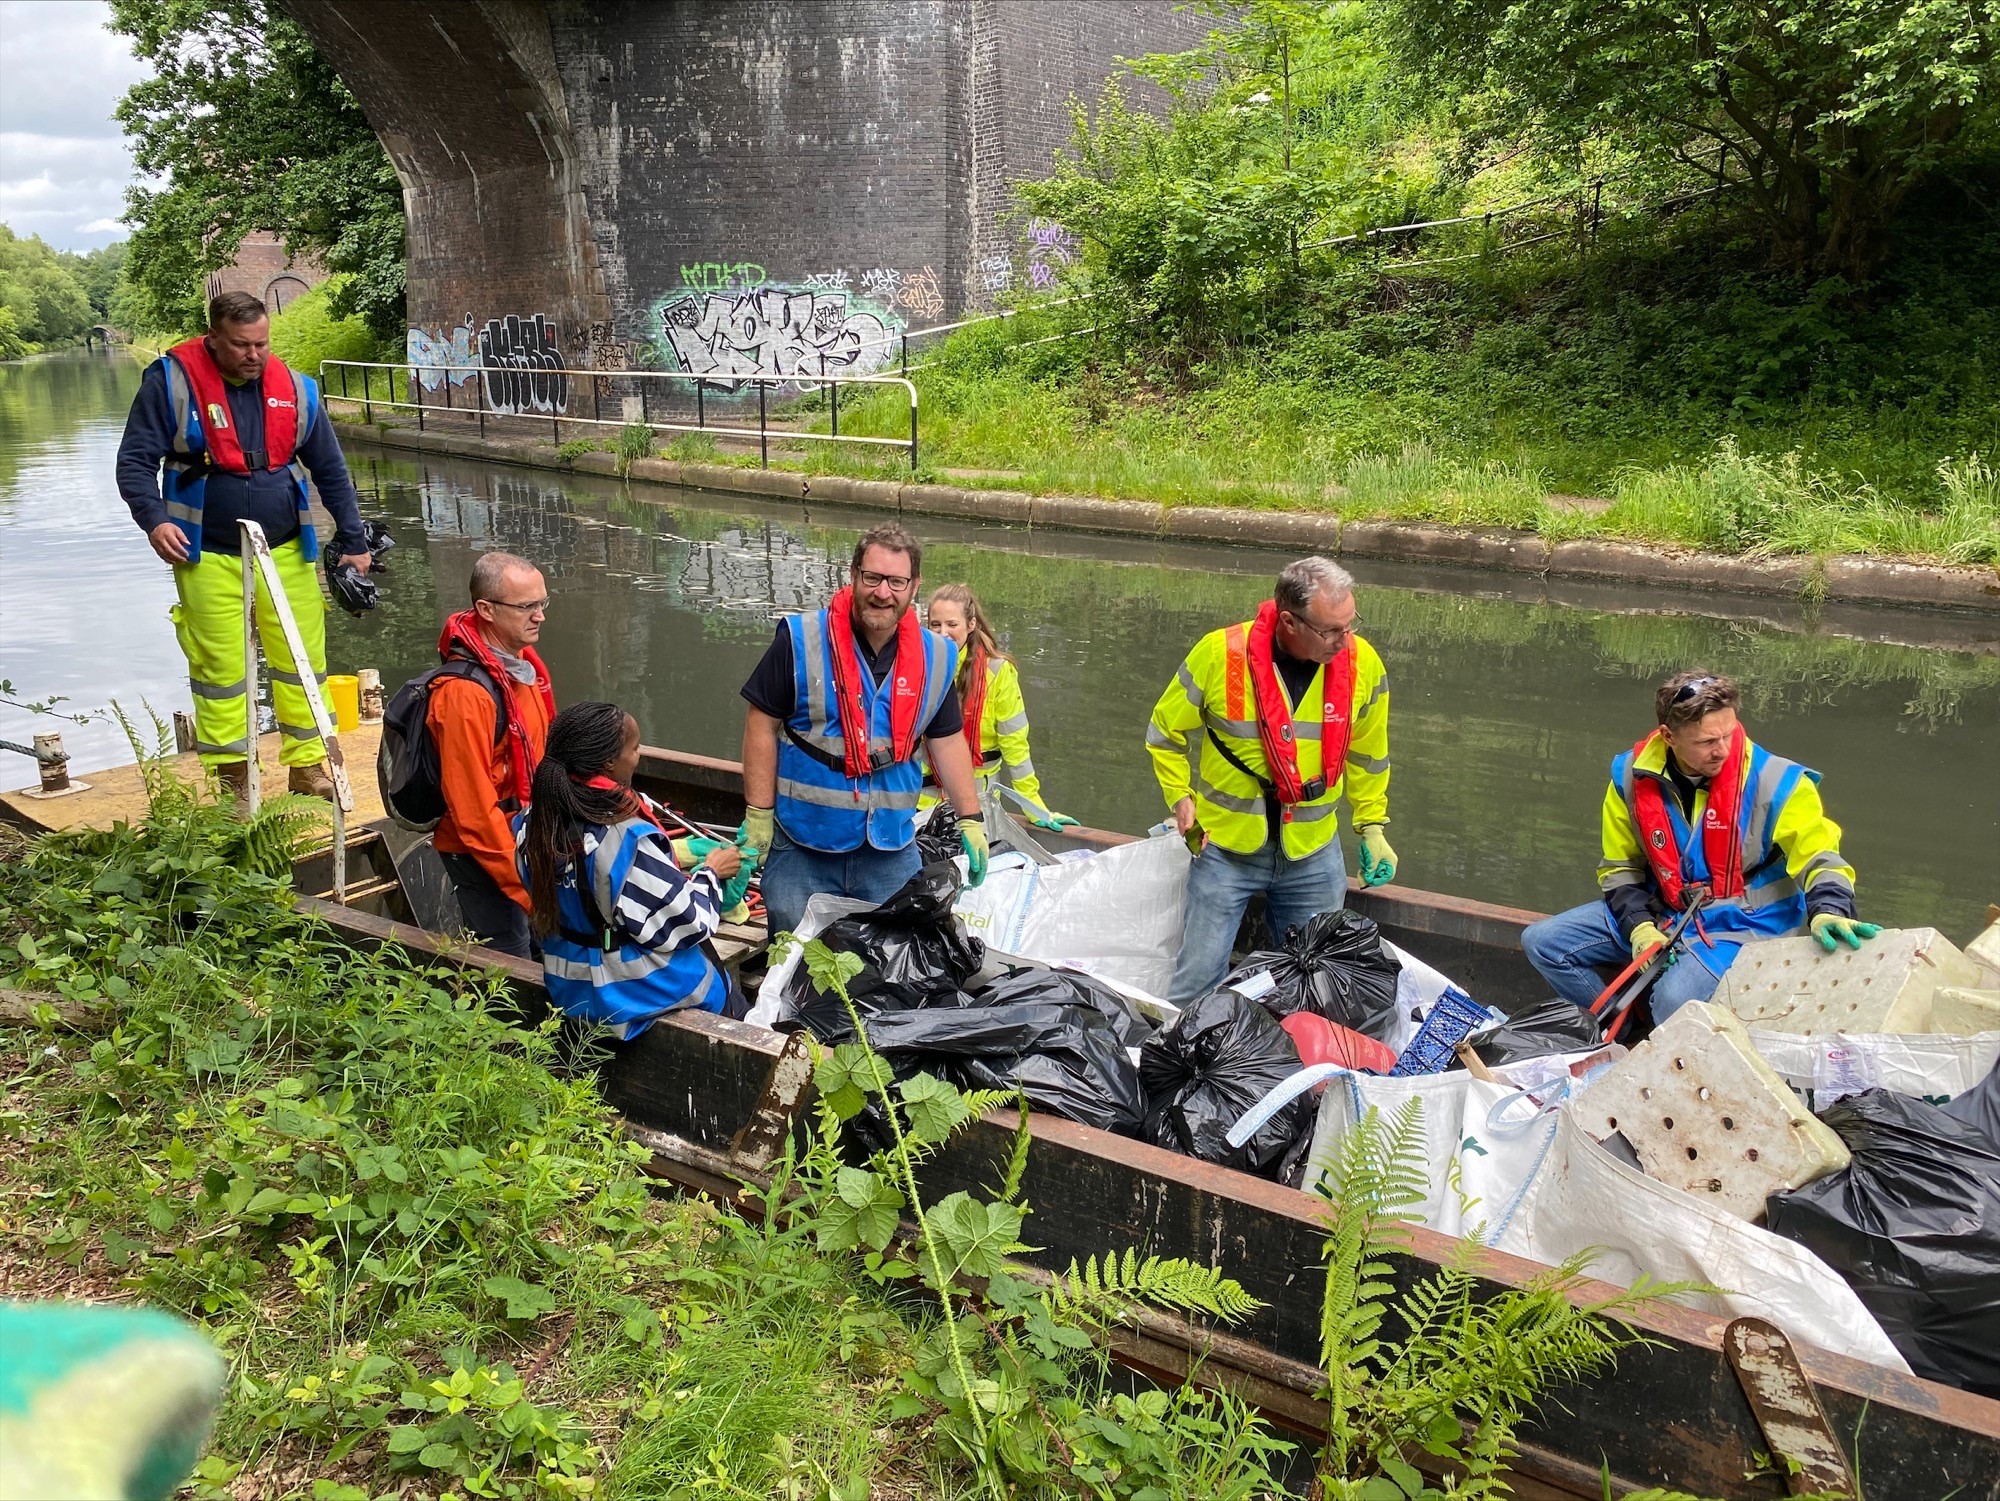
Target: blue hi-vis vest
(1772, 904)
(591, 973)
(184, 481)
(819, 806)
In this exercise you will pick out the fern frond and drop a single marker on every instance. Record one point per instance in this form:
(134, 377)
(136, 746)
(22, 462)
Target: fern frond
(1108, 1285)
(1017, 1159)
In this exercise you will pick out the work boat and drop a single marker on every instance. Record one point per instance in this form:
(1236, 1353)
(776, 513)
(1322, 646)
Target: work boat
(1697, 1408)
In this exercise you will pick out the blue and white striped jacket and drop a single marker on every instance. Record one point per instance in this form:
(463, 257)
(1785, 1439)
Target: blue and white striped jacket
(634, 951)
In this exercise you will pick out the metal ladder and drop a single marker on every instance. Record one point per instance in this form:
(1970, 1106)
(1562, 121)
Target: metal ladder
(257, 560)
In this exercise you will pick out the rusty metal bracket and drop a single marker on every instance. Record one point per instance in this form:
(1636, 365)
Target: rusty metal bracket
(1787, 1409)
(758, 1144)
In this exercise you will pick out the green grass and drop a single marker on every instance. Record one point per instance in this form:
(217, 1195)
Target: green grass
(1691, 397)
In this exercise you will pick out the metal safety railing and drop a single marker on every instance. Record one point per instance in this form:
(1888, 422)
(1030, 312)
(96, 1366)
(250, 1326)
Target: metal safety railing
(546, 394)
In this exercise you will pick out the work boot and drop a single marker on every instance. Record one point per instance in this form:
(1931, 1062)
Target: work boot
(312, 781)
(232, 778)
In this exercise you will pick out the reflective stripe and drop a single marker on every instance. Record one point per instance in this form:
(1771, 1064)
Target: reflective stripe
(1236, 671)
(180, 396)
(1190, 687)
(1242, 729)
(1228, 801)
(178, 512)
(231, 748)
(1021, 768)
(1314, 812)
(297, 732)
(1381, 687)
(216, 690)
(1615, 876)
(1784, 889)
(1763, 797)
(1158, 739)
(1367, 763)
(1013, 724)
(845, 797)
(1826, 862)
(278, 674)
(816, 684)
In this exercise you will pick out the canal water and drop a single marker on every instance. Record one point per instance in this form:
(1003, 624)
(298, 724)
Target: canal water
(1509, 695)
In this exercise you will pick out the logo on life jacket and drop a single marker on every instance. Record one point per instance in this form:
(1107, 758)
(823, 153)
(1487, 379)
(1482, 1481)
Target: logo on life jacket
(273, 401)
(216, 414)
(1659, 839)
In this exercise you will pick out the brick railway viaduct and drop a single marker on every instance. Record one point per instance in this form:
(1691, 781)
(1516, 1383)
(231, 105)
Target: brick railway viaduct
(724, 187)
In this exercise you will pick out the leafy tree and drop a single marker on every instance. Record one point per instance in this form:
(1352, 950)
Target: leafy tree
(97, 272)
(253, 130)
(1827, 111)
(44, 302)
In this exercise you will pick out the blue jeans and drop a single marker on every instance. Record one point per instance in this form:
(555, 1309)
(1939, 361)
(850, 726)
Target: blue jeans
(794, 875)
(1220, 885)
(1569, 948)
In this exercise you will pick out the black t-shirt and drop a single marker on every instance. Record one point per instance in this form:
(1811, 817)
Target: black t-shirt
(773, 690)
(1294, 672)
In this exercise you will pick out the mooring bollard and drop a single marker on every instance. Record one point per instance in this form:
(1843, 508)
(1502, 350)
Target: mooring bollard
(53, 761)
(371, 695)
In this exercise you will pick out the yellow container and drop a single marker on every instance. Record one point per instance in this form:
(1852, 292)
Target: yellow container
(344, 699)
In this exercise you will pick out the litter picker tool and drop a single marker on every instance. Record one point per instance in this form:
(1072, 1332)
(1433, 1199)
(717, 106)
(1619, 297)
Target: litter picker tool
(1614, 1003)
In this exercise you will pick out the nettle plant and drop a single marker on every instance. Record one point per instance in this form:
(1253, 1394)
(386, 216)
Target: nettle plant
(1015, 1374)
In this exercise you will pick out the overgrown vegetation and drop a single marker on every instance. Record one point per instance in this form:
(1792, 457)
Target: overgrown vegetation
(1771, 355)
(433, 1264)
(50, 297)
(308, 331)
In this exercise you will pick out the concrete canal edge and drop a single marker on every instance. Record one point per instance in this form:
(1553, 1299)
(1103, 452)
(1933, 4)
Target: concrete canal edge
(1851, 580)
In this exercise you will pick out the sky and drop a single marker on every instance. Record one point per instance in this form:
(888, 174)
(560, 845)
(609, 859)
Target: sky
(63, 162)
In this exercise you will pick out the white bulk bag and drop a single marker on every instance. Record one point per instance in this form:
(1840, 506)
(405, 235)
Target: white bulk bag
(1833, 1065)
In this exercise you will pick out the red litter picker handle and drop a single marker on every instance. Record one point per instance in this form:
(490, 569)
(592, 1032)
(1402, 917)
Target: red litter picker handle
(1636, 978)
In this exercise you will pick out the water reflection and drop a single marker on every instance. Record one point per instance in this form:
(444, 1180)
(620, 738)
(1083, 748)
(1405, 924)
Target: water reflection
(1509, 696)
(1507, 709)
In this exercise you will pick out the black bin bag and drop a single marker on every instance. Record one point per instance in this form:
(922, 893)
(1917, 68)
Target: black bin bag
(938, 837)
(1555, 1026)
(1066, 988)
(1221, 1056)
(1333, 964)
(1913, 1224)
(913, 953)
(1979, 1108)
(1065, 1058)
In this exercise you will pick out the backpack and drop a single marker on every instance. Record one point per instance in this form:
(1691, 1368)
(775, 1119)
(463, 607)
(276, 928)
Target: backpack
(406, 767)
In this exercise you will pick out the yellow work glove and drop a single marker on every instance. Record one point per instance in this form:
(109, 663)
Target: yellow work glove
(757, 831)
(972, 835)
(1378, 860)
(1832, 931)
(684, 855)
(1647, 935)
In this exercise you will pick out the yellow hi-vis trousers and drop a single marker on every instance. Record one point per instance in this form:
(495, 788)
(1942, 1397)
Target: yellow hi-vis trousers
(209, 623)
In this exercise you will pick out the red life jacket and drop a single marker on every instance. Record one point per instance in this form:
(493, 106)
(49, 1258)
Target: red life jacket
(1249, 656)
(975, 696)
(907, 685)
(461, 635)
(211, 398)
(1721, 831)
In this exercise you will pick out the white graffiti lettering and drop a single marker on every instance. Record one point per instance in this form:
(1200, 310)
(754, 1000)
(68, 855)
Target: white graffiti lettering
(775, 331)
(450, 357)
(881, 282)
(996, 272)
(522, 361)
(829, 281)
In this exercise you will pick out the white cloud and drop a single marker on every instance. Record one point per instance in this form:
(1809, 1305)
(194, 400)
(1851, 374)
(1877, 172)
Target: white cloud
(63, 162)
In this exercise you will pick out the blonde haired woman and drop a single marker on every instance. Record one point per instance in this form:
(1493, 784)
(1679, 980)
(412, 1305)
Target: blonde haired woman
(996, 720)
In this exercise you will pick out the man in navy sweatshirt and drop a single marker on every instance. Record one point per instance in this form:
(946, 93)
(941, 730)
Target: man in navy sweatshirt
(221, 431)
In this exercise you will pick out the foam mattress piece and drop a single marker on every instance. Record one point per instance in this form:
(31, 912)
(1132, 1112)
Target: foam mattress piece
(1965, 1012)
(1708, 1115)
(1984, 951)
(1886, 985)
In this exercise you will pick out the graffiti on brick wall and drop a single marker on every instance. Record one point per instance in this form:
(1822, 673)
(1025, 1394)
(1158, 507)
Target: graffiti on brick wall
(521, 359)
(996, 272)
(601, 349)
(1050, 248)
(451, 355)
(776, 330)
(722, 276)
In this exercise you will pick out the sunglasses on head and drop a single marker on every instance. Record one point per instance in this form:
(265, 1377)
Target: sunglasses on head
(1687, 691)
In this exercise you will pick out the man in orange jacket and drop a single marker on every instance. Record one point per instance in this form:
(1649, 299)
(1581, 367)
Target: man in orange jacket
(489, 741)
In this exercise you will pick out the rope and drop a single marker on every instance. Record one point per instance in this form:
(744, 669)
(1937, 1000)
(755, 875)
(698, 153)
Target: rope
(45, 758)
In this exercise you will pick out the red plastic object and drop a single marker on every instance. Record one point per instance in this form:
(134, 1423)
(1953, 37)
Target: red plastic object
(1321, 1041)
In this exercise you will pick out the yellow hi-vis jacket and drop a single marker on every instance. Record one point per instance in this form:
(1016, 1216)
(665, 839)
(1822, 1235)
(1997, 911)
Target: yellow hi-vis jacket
(1209, 700)
(1003, 738)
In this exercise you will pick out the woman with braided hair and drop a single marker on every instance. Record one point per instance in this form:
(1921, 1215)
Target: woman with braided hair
(989, 686)
(622, 928)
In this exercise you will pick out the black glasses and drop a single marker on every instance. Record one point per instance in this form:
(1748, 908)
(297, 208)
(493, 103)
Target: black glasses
(1332, 637)
(1687, 691)
(896, 583)
(532, 607)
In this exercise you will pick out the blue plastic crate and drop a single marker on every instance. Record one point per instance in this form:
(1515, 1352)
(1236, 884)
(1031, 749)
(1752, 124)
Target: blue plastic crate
(1454, 1018)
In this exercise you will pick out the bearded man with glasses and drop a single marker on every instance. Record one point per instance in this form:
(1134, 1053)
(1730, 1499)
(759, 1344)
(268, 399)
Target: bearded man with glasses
(1264, 727)
(1698, 807)
(489, 726)
(840, 705)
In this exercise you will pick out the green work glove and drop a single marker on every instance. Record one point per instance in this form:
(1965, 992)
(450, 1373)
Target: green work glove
(758, 828)
(1378, 860)
(1044, 819)
(1832, 931)
(972, 835)
(1647, 935)
(688, 852)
